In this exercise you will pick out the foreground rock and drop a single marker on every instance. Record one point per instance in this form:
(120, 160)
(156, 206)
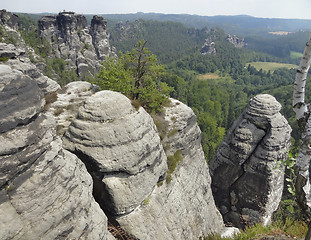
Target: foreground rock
(181, 207)
(121, 148)
(45, 191)
(17, 59)
(247, 179)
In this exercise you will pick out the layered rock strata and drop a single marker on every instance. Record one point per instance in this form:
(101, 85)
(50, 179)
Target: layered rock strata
(121, 148)
(71, 39)
(18, 60)
(45, 191)
(181, 207)
(64, 107)
(247, 178)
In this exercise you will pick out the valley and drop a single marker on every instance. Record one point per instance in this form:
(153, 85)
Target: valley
(206, 108)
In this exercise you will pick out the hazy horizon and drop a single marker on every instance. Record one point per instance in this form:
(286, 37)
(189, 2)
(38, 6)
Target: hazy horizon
(286, 9)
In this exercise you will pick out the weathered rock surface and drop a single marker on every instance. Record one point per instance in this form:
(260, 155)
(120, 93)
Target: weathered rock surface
(18, 61)
(71, 39)
(182, 208)
(237, 42)
(18, 54)
(246, 181)
(303, 182)
(45, 191)
(8, 19)
(67, 102)
(121, 148)
(208, 48)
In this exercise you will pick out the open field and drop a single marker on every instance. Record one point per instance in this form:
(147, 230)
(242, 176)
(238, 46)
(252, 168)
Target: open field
(266, 66)
(295, 54)
(208, 76)
(216, 77)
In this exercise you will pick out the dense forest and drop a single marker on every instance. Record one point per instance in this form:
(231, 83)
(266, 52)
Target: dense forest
(217, 87)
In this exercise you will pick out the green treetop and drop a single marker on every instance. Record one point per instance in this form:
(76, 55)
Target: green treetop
(137, 75)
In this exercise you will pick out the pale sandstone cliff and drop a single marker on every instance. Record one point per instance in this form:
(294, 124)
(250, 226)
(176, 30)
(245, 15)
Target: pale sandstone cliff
(82, 47)
(247, 179)
(45, 191)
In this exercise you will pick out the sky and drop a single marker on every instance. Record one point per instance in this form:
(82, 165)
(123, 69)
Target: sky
(300, 9)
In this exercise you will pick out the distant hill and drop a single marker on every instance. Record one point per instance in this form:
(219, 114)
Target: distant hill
(239, 24)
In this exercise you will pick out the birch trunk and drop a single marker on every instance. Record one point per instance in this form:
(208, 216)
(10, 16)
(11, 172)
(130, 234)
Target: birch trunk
(303, 186)
(299, 105)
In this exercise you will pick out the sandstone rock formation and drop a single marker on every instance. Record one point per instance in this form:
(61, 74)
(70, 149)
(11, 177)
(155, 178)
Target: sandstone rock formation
(65, 106)
(17, 60)
(121, 148)
(71, 39)
(208, 48)
(183, 207)
(45, 191)
(246, 181)
(8, 27)
(8, 19)
(237, 42)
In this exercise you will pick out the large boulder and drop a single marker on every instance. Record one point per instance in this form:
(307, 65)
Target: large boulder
(247, 179)
(121, 148)
(182, 205)
(45, 191)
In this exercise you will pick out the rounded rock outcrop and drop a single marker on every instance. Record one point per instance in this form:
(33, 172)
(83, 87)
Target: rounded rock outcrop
(45, 191)
(121, 148)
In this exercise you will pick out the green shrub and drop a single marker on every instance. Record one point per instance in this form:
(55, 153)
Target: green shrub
(4, 59)
(172, 133)
(173, 161)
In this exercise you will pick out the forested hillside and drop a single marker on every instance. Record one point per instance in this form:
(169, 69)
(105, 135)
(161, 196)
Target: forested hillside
(217, 87)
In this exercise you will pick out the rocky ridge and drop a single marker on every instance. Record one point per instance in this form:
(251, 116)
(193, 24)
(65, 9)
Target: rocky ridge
(247, 179)
(82, 47)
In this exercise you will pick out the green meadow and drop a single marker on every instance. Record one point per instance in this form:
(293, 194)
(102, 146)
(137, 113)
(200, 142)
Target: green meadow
(266, 66)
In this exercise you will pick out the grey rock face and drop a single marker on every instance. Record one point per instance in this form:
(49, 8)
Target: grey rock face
(68, 101)
(8, 19)
(121, 148)
(302, 185)
(183, 208)
(246, 182)
(237, 42)
(208, 48)
(18, 61)
(71, 39)
(100, 36)
(45, 191)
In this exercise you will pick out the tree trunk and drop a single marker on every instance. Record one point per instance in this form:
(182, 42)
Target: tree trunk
(303, 190)
(299, 105)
